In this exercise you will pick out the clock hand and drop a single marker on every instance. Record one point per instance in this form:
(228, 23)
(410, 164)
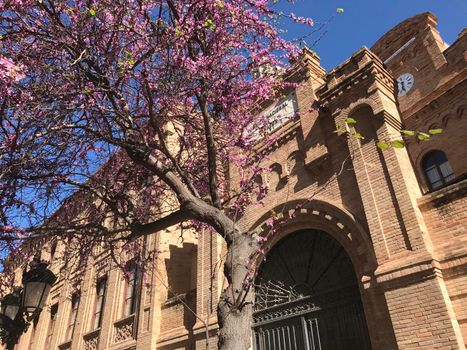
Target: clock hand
(402, 86)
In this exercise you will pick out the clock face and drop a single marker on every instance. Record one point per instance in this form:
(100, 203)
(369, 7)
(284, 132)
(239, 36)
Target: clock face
(404, 83)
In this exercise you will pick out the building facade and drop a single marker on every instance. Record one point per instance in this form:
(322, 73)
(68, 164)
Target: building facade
(372, 252)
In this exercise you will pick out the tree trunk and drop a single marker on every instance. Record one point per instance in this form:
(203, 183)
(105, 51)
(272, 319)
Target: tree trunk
(234, 324)
(235, 308)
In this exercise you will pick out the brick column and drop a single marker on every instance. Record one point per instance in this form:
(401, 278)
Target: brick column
(388, 186)
(404, 184)
(375, 189)
(311, 77)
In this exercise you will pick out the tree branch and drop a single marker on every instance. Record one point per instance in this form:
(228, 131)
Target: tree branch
(212, 153)
(174, 218)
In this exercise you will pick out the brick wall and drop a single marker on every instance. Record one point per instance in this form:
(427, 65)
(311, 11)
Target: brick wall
(408, 250)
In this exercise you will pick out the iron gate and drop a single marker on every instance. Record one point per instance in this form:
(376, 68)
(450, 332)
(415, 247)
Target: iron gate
(297, 309)
(303, 325)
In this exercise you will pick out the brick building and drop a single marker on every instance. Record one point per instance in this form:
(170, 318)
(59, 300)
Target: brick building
(377, 259)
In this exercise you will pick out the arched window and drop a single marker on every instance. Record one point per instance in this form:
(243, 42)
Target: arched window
(437, 169)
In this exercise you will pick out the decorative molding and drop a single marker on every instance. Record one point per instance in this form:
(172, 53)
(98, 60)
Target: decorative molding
(406, 268)
(305, 305)
(344, 78)
(124, 329)
(284, 134)
(439, 92)
(444, 195)
(103, 265)
(91, 340)
(335, 220)
(390, 120)
(65, 346)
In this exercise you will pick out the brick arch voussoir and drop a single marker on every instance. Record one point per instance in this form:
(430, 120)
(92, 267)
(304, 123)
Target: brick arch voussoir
(326, 216)
(360, 103)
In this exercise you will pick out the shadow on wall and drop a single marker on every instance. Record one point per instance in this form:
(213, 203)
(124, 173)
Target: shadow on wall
(180, 307)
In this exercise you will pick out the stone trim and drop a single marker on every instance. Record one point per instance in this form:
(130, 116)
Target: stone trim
(444, 194)
(91, 340)
(339, 81)
(331, 218)
(65, 346)
(124, 329)
(284, 133)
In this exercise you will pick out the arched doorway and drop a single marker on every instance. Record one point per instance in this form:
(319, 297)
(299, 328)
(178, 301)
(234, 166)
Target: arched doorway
(307, 297)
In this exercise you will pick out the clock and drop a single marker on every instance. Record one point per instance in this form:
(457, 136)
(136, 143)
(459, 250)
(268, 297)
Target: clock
(404, 83)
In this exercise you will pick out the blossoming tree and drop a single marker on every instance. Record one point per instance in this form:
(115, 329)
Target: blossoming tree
(164, 93)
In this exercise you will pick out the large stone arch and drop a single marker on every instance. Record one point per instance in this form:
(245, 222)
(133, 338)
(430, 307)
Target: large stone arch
(324, 215)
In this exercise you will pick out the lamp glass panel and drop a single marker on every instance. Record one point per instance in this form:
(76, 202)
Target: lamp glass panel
(11, 311)
(44, 296)
(35, 294)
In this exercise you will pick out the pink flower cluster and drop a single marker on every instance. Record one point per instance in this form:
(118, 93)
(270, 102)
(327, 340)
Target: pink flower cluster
(9, 71)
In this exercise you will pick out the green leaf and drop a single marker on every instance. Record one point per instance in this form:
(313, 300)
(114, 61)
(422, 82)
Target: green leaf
(178, 32)
(339, 10)
(351, 121)
(358, 136)
(435, 131)
(220, 4)
(408, 132)
(208, 23)
(92, 12)
(423, 136)
(382, 145)
(398, 144)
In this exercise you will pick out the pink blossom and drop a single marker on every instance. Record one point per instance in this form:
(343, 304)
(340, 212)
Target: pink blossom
(9, 70)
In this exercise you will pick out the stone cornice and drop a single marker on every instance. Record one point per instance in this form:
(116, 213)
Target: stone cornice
(391, 120)
(307, 65)
(285, 132)
(402, 270)
(444, 195)
(362, 66)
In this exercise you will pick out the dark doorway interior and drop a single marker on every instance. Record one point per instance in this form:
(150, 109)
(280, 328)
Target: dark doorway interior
(307, 297)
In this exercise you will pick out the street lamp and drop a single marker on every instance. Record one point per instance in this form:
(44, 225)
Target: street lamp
(24, 304)
(37, 283)
(10, 305)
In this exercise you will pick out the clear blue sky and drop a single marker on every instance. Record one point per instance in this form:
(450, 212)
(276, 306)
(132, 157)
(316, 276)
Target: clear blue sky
(365, 21)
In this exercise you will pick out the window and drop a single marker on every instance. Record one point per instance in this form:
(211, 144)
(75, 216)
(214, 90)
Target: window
(50, 331)
(437, 169)
(101, 287)
(129, 304)
(73, 316)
